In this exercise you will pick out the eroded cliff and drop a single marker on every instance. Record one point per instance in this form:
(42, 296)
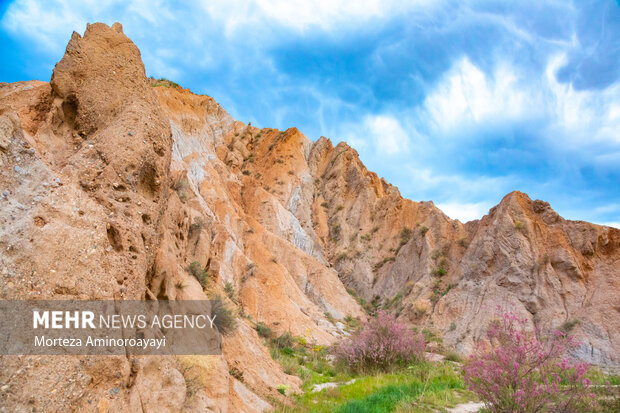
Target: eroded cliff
(113, 184)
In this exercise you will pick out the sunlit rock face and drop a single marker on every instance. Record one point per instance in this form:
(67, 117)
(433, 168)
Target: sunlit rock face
(112, 184)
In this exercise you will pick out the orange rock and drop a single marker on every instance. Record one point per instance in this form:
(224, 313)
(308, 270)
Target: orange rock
(130, 180)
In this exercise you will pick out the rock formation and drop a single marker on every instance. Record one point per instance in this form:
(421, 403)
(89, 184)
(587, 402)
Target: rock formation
(111, 184)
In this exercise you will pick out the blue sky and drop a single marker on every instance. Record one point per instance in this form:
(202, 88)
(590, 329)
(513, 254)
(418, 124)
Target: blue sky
(459, 102)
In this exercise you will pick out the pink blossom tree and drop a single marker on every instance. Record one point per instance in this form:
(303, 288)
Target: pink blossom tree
(516, 372)
(381, 344)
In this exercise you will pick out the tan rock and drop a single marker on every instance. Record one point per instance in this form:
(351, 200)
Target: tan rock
(130, 183)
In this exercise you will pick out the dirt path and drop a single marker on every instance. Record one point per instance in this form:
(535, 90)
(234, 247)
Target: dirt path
(470, 407)
(322, 386)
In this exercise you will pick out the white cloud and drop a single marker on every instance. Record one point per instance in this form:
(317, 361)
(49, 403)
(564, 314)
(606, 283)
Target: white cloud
(464, 212)
(583, 115)
(47, 21)
(611, 224)
(424, 179)
(466, 95)
(387, 134)
(300, 15)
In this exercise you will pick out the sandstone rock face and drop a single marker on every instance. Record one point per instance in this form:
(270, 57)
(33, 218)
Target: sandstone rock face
(112, 184)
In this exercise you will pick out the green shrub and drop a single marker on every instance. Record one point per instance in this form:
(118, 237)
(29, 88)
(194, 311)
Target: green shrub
(405, 236)
(285, 340)
(263, 330)
(229, 289)
(163, 82)
(282, 389)
(568, 326)
(198, 272)
(225, 318)
(351, 322)
(330, 317)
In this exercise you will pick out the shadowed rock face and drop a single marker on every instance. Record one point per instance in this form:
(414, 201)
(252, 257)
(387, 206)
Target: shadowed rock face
(116, 183)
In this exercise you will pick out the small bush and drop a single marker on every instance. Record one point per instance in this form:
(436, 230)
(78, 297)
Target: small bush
(263, 330)
(181, 184)
(453, 356)
(163, 82)
(514, 371)
(196, 226)
(236, 373)
(229, 289)
(283, 341)
(246, 172)
(351, 322)
(405, 236)
(423, 230)
(324, 204)
(381, 263)
(519, 225)
(382, 344)
(568, 326)
(198, 272)
(420, 309)
(330, 317)
(225, 318)
(282, 389)
(339, 208)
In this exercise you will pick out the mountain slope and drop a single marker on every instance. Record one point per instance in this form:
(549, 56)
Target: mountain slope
(116, 183)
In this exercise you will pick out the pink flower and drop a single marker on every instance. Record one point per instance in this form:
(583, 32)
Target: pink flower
(515, 371)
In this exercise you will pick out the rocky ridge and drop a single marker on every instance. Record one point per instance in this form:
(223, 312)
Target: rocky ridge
(112, 184)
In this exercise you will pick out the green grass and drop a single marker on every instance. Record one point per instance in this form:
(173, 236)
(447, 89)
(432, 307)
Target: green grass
(163, 82)
(421, 388)
(424, 387)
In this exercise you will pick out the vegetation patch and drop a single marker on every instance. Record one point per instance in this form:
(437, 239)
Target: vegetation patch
(225, 318)
(163, 82)
(198, 272)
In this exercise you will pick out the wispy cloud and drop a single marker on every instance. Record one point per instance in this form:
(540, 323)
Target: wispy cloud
(455, 101)
(464, 212)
